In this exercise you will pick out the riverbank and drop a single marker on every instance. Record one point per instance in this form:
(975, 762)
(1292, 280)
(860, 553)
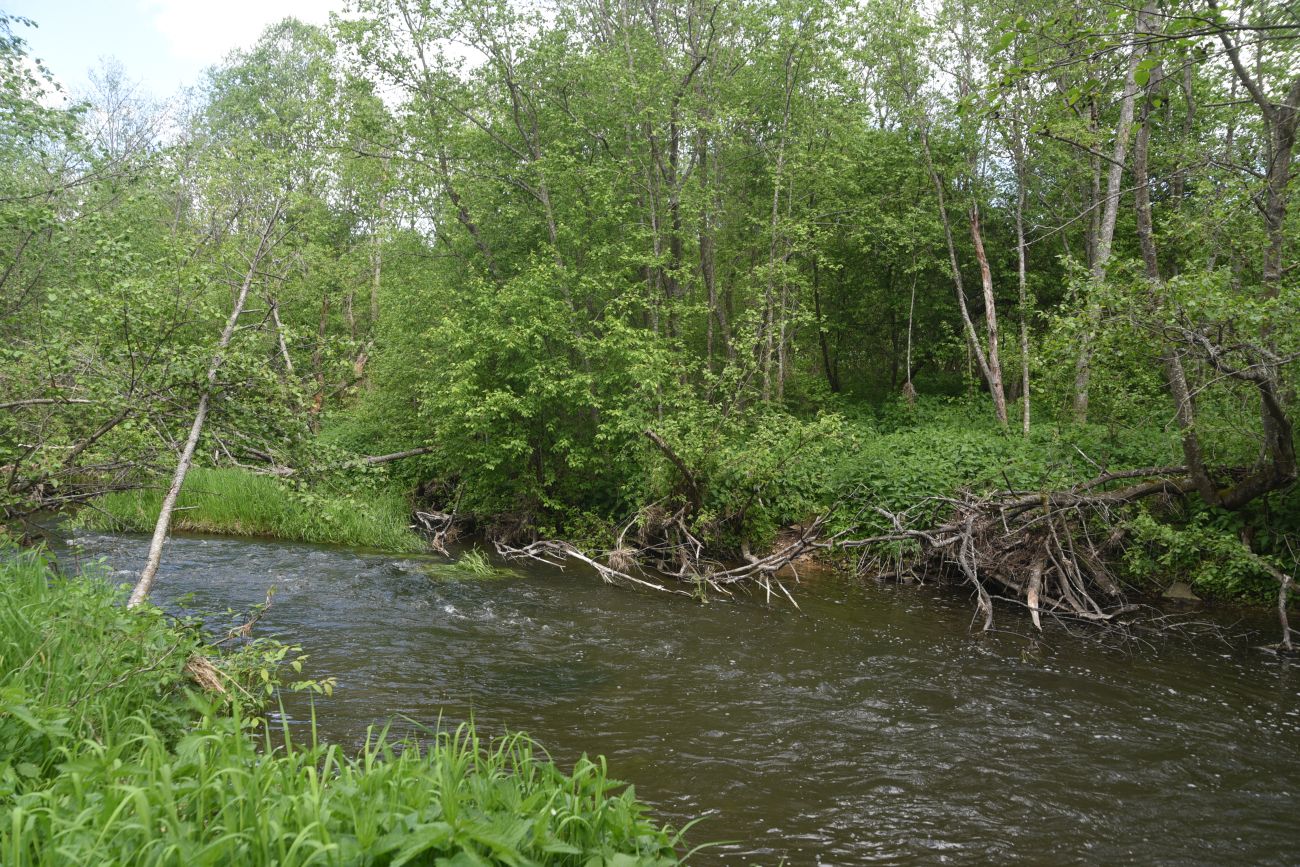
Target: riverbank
(738, 482)
(741, 484)
(238, 502)
(111, 753)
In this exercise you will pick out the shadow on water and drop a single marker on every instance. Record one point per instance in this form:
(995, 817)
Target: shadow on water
(868, 727)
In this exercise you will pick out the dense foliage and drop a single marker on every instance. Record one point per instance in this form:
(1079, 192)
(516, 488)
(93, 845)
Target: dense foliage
(832, 257)
(110, 755)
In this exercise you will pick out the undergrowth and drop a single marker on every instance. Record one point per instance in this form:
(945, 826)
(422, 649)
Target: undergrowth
(109, 755)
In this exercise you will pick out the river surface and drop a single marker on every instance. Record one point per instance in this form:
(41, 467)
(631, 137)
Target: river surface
(867, 727)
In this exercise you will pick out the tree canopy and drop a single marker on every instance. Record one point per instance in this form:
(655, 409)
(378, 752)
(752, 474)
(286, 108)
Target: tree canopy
(520, 236)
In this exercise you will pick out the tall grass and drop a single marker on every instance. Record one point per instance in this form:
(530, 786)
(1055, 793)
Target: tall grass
(240, 503)
(107, 756)
(76, 668)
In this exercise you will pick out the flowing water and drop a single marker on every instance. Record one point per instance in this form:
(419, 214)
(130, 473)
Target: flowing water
(867, 727)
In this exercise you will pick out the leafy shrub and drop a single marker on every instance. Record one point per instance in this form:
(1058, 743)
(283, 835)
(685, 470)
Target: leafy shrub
(1207, 550)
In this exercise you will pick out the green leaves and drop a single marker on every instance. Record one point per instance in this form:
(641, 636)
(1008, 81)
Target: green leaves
(1142, 72)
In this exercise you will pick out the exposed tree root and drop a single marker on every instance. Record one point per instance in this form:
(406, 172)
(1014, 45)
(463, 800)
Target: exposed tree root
(1048, 551)
(439, 529)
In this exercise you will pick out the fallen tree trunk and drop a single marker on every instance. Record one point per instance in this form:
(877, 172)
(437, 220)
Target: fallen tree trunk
(145, 582)
(365, 460)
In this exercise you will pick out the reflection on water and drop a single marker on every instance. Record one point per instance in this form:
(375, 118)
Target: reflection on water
(867, 727)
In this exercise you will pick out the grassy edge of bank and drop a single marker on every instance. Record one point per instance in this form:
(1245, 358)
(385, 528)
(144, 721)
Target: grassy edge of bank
(237, 502)
(756, 479)
(108, 754)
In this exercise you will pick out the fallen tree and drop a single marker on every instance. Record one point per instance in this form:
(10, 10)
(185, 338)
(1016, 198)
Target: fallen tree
(360, 461)
(622, 566)
(144, 583)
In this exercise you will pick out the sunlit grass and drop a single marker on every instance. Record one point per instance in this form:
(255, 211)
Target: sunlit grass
(471, 565)
(240, 503)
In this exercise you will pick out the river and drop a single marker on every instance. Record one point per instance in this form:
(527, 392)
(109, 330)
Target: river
(869, 726)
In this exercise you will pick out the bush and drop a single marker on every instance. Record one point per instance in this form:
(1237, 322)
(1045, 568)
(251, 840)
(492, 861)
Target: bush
(1223, 555)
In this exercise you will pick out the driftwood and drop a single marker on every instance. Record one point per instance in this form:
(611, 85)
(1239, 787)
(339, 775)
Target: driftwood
(1046, 550)
(440, 529)
(621, 568)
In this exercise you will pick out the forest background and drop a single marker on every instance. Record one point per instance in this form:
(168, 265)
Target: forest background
(632, 274)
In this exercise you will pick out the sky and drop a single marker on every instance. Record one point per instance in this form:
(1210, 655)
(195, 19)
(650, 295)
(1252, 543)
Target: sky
(163, 44)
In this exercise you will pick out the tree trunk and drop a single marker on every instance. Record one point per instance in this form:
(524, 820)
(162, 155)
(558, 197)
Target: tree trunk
(832, 379)
(909, 390)
(1106, 231)
(318, 362)
(145, 583)
(376, 272)
(972, 339)
(279, 334)
(990, 319)
(1175, 372)
(1280, 122)
(770, 295)
(1018, 151)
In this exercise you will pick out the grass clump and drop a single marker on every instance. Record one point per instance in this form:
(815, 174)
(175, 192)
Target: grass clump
(473, 565)
(109, 756)
(240, 503)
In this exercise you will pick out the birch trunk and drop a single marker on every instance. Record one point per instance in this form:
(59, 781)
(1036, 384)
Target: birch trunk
(145, 582)
(1106, 231)
(990, 319)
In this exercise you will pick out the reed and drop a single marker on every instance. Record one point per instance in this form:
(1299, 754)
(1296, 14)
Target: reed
(240, 503)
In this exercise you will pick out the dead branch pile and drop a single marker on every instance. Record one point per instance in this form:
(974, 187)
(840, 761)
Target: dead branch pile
(663, 562)
(1046, 550)
(439, 529)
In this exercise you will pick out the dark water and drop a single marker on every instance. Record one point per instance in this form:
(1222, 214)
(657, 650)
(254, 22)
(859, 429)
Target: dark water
(869, 727)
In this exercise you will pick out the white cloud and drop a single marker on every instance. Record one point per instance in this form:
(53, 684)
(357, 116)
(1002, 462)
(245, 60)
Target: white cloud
(202, 32)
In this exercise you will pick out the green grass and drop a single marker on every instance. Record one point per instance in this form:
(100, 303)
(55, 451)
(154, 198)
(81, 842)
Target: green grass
(240, 503)
(108, 756)
(473, 565)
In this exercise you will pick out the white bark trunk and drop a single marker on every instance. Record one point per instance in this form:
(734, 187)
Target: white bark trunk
(1106, 232)
(145, 583)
